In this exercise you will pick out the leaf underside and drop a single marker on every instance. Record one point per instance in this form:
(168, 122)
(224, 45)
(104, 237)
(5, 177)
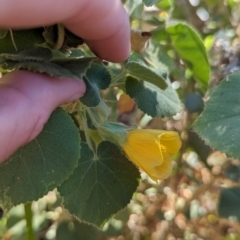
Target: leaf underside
(151, 100)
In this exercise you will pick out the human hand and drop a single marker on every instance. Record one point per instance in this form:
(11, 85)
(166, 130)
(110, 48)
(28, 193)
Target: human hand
(27, 99)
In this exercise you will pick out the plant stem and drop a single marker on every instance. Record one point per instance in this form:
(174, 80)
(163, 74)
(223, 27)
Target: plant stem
(61, 35)
(93, 119)
(88, 138)
(118, 77)
(12, 39)
(28, 217)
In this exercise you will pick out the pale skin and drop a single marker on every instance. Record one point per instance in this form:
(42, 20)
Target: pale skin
(28, 99)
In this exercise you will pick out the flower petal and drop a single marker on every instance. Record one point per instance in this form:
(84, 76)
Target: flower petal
(151, 150)
(165, 169)
(146, 164)
(171, 141)
(145, 145)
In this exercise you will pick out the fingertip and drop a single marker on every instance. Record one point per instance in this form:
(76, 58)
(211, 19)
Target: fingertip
(105, 28)
(115, 48)
(111, 50)
(79, 89)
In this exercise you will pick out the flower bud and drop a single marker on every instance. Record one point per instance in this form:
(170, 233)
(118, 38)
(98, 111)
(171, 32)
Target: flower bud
(151, 150)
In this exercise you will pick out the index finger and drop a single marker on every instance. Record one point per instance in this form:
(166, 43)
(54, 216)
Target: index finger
(103, 24)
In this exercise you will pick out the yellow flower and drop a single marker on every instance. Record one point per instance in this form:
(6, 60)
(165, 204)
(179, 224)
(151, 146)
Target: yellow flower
(151, 150)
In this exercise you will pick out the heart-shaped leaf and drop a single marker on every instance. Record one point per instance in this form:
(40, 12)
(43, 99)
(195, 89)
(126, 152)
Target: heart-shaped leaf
(42, 164)
(101, 185)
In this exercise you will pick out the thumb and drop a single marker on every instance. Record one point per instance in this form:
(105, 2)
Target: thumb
(48, 92)
(27, 100)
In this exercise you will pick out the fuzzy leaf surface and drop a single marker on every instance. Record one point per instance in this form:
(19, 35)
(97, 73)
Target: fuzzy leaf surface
(97, 77)
(49, 68)
(77, 66)
(151, 100)
(38, 54)
(140, 71)
(42, 164)
(39, 60)
(218, 124)
(100, 187)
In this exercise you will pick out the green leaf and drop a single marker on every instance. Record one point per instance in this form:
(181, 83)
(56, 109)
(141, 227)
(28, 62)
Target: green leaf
(191, 49)
(3, 33)
(159, 57)
(71, 67)
(218, 124)
(165, 4)
(114, 132)
(38, 54)
(50, 35)
(229, 203)
(71, 40)
(49, 68)
(137, 12)
(92, 97)
(77, 66)
(140, 71)
(131, 5)
(97, 77)
(151, 100)
(76, 53)
(150, 2)
(99, 187)
(160, 34)
(79, 231)
(100, 112)
(23, 39)
(42, 164)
